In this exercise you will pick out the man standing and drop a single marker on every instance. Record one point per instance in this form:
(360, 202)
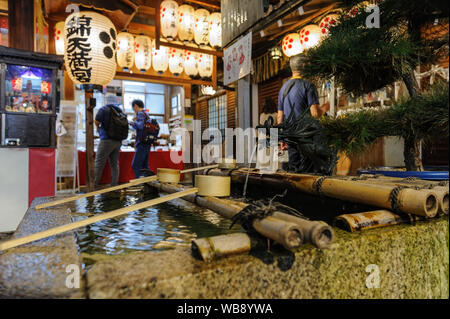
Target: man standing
(110, 143)
(140, 160)
(300, 97)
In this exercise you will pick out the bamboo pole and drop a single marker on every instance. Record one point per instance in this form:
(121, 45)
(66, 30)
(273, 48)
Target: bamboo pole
(411, 201)
(102, 191)
(286, 233)
(222, 245)
(132, 182)
(88, 221)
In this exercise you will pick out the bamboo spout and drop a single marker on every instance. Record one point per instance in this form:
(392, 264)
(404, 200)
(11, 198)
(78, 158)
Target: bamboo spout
(222, 245)
(286, 233)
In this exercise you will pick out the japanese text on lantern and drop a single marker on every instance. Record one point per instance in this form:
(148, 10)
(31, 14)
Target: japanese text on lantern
(78, 48)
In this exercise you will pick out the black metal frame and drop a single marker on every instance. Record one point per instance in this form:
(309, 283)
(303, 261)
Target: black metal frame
(38, 129)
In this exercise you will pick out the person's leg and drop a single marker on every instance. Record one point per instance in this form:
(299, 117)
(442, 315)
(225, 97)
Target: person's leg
(100, 160)
(145, 163)
(114, 162)
(138, 160)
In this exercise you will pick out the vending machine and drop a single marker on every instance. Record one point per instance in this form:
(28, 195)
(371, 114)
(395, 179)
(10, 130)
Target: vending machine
(29, 100)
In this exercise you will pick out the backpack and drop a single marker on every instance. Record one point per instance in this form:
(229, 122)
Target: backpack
(150, 132)
(118, 124)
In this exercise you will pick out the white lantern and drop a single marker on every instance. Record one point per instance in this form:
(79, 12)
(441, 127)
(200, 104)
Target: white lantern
(90, 46)
(291, 45)
(208, 90)
(143, 53)
(205, 65)
(310, 36)
(215, 30)
(59, 38)
(358, 8)
(169, 19)
(175, 61)
(186, 23)
(201, 29)
(190, 63)
(327, 22)
(161, 59)
(125, 50)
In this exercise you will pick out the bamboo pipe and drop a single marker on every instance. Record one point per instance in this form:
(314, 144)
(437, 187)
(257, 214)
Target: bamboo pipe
(369, 220)
(285, 233)
(133, 182)
(442, 192)
(222, 245)
(411, 201)
(62, 229)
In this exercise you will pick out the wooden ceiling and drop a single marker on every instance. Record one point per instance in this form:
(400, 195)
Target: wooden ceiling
(137, 16)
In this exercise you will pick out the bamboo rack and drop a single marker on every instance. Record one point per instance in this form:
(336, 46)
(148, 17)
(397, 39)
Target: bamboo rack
(88, 221)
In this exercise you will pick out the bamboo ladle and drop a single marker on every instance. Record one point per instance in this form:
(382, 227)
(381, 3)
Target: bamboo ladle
(88, 221)
(133, 182)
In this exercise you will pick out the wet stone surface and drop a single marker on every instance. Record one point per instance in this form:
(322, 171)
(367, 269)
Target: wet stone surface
(38, 269)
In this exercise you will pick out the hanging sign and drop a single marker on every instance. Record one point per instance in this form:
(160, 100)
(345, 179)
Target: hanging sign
(238, 59)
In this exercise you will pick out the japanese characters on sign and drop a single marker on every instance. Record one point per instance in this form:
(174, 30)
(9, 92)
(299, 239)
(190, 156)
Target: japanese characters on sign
(238, 59)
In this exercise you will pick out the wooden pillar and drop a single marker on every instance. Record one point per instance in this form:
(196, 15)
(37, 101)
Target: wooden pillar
(21, 24)
(89, 94)
(157, 23)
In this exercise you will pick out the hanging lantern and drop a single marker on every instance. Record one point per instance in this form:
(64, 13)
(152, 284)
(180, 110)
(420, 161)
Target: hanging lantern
(143, 53)
(59, 38)
(190, 63)
(169, 19)
(125, 50)
(186, 23)
(175, 61)
(291, 45)
(205, 65)
(208, 90)
(275, 53)
(357, 9)
(327, 22)
(215, 30)
(310, 36)
(161, 59)
(201, 29)
(90, 46)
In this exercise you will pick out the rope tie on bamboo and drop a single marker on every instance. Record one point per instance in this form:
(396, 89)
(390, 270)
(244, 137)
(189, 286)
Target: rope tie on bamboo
(318, 185)
(393, 198)
(260, 209)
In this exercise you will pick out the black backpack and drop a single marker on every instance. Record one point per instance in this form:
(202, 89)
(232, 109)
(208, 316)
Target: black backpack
(118, 124)
(150, 132)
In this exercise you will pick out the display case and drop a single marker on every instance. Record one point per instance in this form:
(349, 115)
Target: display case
(30, 94)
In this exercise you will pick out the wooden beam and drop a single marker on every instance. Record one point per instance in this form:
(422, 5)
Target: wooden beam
(89, 141)
(21, 24)
(204, 4)
(157, 23)
(214, 74)
(193, 49)
(159, 79)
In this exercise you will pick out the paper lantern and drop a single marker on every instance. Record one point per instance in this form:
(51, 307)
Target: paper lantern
(205, 65)
(125, 50)
(208, 90)
(176, 61)
(215, 30)
(169, 19)
(186, 23)
(59, 38)
(310, 36)
(201, 29)
(90, 47)
(143, 53)
(291, 45)
(360, 7)
(190, 63)
(161, 59)
(327, 22)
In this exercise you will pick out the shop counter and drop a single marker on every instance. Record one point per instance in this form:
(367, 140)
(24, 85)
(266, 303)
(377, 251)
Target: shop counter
(156, 159)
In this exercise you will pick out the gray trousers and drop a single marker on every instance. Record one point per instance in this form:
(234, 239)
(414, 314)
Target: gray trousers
(107, 150)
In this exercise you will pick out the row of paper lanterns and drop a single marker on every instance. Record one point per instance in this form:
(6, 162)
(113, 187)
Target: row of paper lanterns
(139, 51)
(311, 35)
(308, 37)
(190, 25)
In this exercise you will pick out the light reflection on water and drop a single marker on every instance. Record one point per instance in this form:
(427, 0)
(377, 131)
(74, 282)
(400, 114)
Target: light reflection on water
(163, 226)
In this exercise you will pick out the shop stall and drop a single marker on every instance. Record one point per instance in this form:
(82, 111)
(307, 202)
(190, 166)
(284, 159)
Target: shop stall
(29, 99)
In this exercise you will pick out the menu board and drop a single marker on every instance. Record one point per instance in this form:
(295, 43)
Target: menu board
(238, 16)
(238, 59)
